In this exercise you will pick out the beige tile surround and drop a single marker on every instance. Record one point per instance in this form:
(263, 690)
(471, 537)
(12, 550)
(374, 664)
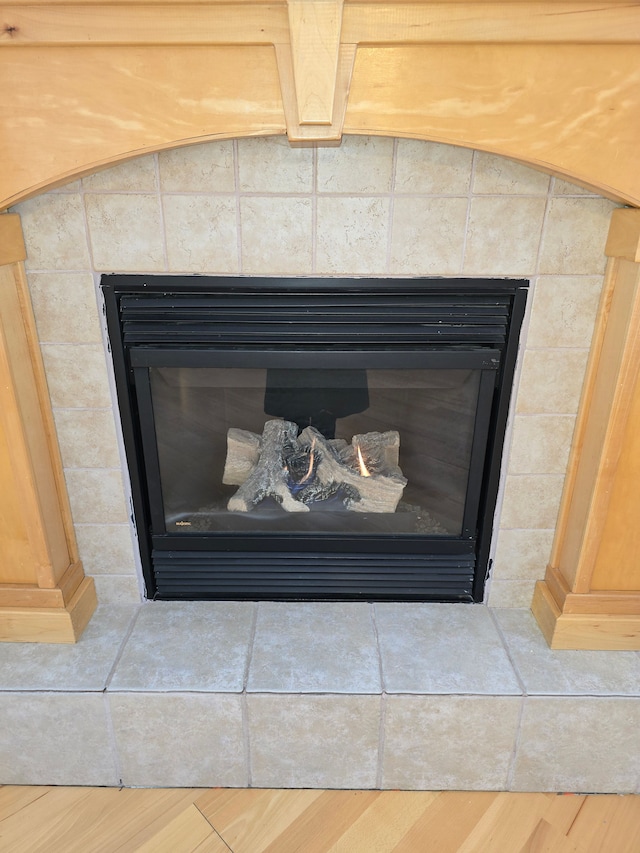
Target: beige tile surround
(375, 206)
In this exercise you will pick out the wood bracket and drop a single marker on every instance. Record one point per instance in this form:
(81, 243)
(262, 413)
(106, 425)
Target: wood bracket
(315, 71)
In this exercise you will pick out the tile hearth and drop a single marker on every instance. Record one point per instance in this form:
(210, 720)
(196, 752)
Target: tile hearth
(343, 695)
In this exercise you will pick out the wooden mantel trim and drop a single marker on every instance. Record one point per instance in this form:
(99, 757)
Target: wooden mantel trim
(553, 83)
(44, 595)
(590, 597)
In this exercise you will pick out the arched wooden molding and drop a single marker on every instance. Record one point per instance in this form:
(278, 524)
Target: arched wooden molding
(553, 83)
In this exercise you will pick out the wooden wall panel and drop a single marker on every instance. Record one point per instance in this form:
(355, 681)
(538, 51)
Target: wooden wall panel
(508, 99)
(67, 112)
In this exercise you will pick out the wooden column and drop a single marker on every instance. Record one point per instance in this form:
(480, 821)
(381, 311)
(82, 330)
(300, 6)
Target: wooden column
(44, 595)
(590, 597)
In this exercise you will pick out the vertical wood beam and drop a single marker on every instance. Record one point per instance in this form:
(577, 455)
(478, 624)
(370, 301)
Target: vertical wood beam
(315, 71)
(44, 595)
(314, 32)
(590, 597)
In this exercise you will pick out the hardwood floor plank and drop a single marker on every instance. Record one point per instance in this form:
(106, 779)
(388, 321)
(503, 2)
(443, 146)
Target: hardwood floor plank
(185, 833)
(16, 797)
(251, 820)
(447, 823)
(507, 824)
(111, 820)
(563, 810)
(385, 822)
(547, 839)
(608, 823)
(37, 827)
(100, 820)
(322, 824)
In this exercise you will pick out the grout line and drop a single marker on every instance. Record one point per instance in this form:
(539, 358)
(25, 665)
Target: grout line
(391, 209)
(236, 181)
(163, 225)
(511, 771)
(111, 736)
(111, 731)
(314, 211)
(244, 706)
(121, 648)
(244, 699)
(470, 196)
(381, 740)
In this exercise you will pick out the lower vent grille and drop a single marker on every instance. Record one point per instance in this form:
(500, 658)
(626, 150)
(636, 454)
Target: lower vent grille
(290, 576)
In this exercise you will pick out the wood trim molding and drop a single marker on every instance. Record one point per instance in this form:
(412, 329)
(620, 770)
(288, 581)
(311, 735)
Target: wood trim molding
(552, 83)
(590, 597)
(43, 590)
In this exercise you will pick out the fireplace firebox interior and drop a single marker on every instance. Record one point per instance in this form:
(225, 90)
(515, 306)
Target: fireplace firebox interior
(314, 439)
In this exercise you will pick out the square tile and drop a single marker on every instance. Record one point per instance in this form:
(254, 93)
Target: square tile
(499, 175)
(82, 666)
(55, 739)
(442, 648)
(54, 232)
(87, 438)
(503, 235)
(352, 234)
(531, 500)
(551, 381)
(118, 589)
(564, 310)
(510, 593)
(361, 164)
(174, 740)
(269, 164)
(76, 376)
(201, 233)
(564, 672)
(540, 444)
(432, 168)
(449, 742)
(125, 232)
(105, 548)
(96, 495)
(313, 741)
(137, 175)
(428, 235)
(583, 744)
(314, 647)
(522, 554)
(574, 237)
(65, 308)
(192, 645)
(276, 235)
(205, 168)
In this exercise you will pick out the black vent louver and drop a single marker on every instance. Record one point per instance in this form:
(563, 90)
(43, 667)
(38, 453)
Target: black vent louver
(247, 318)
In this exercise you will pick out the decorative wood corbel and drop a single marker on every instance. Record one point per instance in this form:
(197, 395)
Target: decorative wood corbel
(315, 71)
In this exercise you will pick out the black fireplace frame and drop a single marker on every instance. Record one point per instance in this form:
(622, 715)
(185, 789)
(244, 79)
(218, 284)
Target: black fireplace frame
(160, 320)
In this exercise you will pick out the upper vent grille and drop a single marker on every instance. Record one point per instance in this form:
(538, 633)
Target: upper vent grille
(308, 318)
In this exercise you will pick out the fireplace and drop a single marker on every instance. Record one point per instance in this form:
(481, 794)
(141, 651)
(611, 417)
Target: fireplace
(314, 439)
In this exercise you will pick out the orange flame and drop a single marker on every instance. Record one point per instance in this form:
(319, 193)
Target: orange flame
(311, 456)
(363, 467)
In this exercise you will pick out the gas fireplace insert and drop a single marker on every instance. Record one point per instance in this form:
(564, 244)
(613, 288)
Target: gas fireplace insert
(301, 439)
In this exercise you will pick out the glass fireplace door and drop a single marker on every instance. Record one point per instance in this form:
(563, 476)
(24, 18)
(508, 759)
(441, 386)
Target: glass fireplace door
(397, 446)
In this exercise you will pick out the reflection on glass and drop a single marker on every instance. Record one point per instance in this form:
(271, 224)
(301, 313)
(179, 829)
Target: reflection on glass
(205, 418)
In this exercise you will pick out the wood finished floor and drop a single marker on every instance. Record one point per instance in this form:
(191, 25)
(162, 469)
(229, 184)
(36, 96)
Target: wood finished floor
(88, 820)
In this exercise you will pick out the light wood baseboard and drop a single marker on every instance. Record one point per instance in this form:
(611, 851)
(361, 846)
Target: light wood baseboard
(597, 630)
(50, 624)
